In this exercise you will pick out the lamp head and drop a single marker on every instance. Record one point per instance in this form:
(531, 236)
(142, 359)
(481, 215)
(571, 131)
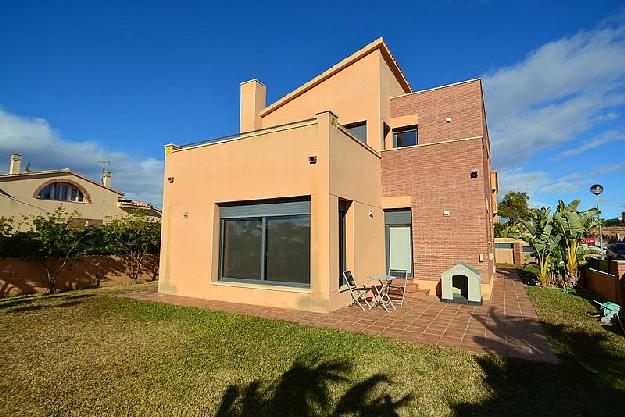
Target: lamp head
(596, 189)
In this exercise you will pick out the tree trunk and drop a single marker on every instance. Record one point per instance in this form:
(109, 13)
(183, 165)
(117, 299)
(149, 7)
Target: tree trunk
(50, 280)
(543, 274)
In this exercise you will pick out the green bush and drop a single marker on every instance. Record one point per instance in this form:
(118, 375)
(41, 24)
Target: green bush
(54, 243)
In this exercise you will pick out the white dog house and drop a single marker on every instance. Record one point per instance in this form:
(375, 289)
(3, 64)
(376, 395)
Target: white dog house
(461, 284)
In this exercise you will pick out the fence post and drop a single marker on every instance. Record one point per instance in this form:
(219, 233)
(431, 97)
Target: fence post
(517, 252)
(617, 269)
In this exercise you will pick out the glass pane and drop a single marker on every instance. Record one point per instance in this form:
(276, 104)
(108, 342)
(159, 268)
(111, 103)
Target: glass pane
(62, 192)
(358, 130)
(288, 249)
(241, 248)
(406, 138)
(45, 193)
(400, 248)
(504, 245)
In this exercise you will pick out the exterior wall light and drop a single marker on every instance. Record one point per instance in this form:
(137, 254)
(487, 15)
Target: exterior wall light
(312, 160)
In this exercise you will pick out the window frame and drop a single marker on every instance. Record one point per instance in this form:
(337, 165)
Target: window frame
(263, 210)
(405, 129)
(504, 245)
(398, 217)
(54, 192)
(350, 126)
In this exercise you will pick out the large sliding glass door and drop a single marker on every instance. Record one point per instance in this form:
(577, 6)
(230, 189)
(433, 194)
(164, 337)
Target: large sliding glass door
(266, 242)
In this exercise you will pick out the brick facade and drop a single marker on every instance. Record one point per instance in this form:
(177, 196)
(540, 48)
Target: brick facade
(437, 174)
(461, 102)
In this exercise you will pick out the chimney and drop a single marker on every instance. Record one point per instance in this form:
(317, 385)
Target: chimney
(253, 101)
(14, 165)
(106, 179)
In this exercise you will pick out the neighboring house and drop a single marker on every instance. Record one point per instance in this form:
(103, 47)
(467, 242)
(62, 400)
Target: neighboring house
(24, 194)
(351, 171)
(513, 251)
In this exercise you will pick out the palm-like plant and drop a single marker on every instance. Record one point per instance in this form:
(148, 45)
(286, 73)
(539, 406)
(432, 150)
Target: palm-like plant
(572, 225)
(539, 232)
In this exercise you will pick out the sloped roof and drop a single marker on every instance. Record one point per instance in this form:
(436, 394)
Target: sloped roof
(378, 44)
(53, 172)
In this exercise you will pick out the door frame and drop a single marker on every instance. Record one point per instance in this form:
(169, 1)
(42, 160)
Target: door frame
(397, 217)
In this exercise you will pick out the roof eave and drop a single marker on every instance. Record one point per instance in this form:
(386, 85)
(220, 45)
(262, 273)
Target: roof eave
(356, 56)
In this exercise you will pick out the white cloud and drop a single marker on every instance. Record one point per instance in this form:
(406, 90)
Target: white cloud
(540, 183)
(139, 179)
(558, 91)
(517, 180)
(599, 140)
(608, 169)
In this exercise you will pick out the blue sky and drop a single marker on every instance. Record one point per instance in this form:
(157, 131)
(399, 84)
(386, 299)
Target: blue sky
(86, 81)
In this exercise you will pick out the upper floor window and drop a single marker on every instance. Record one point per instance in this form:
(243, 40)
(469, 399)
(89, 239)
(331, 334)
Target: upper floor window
(359, 130)
(61, 191)
(407, 136)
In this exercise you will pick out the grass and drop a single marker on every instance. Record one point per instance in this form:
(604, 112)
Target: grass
(94, 353)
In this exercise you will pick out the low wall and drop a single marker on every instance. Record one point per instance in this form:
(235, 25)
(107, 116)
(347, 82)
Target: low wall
(22, 276)
(513, 251)
(607, 285)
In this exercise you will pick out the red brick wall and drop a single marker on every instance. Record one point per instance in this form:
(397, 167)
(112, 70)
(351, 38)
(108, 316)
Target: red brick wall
(461, 102)
(438, 177)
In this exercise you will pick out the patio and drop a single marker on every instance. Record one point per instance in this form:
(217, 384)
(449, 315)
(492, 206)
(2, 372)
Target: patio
(507, 325)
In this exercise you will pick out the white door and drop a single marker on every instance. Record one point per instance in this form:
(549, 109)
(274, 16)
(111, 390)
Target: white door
(400, 248)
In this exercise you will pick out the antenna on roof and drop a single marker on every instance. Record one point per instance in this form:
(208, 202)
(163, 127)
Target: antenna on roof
(105, 166)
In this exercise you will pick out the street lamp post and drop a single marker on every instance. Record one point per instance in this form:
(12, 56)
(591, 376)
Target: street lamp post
(596, 190)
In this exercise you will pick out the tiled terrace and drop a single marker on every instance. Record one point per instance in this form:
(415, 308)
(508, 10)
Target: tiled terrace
(507, 325)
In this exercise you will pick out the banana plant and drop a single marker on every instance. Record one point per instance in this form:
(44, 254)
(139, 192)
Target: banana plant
(572, 225)
(540, 233)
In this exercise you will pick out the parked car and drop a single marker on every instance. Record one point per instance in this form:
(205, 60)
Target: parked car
(616, 251)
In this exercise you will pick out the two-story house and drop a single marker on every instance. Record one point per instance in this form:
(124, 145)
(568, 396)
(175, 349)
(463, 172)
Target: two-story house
(351, 171)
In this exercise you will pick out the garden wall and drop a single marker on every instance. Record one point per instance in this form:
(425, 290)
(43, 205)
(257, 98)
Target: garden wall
(22, 276)
(607, 285)
(513, 251)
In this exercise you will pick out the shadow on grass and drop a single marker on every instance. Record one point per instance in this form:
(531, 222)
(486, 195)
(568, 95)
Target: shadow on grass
(304, 390)
(589, 381)
(24, 304)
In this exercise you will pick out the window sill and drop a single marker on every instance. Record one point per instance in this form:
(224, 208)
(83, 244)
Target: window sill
(61, 201)
(247, 284)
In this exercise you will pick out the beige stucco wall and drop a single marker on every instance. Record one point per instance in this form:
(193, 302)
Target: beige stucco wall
(102, 204)
(262, 165)
(359, 92)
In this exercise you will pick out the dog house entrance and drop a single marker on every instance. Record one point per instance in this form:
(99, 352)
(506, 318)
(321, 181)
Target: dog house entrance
(460, 288)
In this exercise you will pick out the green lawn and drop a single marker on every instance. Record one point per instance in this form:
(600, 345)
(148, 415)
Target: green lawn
(94, 353)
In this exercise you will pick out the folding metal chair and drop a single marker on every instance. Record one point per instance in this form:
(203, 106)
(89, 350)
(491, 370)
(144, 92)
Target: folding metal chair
(398, 290)
(358, 293)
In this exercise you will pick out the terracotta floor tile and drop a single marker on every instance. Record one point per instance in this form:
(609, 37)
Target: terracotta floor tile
(505, 325)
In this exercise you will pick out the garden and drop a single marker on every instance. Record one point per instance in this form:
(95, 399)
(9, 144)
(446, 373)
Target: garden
(49, 245)
(97, 352)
